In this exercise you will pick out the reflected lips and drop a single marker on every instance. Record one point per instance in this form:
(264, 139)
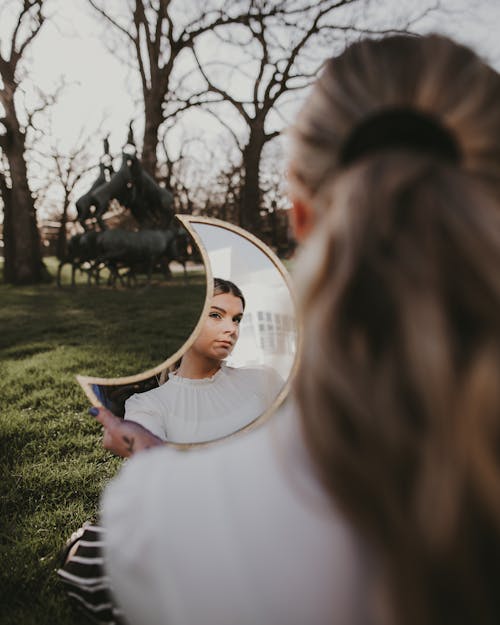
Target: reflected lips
(227, 344)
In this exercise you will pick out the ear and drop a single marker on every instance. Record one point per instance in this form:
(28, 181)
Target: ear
(302, 219)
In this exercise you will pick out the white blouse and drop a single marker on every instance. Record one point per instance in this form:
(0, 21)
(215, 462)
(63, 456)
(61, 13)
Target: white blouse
(184, 410)
(238, 533)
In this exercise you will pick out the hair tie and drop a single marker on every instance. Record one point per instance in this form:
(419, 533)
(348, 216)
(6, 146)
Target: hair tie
(400, 128)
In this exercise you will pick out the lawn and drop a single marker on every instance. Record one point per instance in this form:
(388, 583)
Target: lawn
(53, 467)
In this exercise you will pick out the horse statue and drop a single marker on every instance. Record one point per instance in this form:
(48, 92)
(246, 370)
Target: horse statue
(126, 253)
(133, 188)
(151, 205)
(86, 202)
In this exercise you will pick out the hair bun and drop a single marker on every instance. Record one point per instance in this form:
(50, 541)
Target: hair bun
(400, 128)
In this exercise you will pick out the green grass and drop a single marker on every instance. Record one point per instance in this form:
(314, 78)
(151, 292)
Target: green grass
(53, 467)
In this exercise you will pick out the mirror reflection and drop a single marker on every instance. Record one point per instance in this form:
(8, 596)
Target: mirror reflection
(235, 366)
(139, 302)
(268, 327)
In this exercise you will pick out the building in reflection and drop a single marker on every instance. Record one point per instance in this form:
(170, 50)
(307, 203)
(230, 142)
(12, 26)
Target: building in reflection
(268, 335)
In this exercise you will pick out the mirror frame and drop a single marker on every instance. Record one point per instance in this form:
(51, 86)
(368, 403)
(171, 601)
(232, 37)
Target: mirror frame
(86, 382)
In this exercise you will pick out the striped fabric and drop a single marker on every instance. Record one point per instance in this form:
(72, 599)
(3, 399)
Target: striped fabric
(85, 581)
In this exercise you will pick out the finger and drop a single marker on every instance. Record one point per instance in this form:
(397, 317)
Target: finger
(104, 416)
(106, 439)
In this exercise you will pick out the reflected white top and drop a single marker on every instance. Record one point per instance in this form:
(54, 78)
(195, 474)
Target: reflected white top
(184, 410)
(239, 533)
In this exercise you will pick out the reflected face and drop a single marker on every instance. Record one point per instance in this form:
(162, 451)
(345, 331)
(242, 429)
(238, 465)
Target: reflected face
(221, 329)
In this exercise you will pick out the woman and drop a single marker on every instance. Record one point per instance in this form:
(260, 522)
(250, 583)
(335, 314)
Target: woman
(379, 502)
(204, 399)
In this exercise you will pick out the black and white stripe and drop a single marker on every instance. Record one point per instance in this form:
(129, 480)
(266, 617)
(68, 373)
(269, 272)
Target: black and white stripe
(85, 581)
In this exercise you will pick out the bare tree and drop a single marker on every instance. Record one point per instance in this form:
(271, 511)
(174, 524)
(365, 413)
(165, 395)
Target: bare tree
(225, 197)
(157, 33)
(274, 211)
(55, 171)
(276, 53)
(202, 172)
(23, 263)
(68, 169)
(275, 46)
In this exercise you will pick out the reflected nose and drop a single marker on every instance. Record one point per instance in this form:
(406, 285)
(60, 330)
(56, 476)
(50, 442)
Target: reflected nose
(231, 328)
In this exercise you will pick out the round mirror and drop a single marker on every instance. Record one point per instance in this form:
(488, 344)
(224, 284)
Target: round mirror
(259, 358)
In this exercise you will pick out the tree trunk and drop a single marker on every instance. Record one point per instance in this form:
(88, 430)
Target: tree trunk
(6, 194)
(62, 243)
(251, 194)
(152, 119)
(23, 259)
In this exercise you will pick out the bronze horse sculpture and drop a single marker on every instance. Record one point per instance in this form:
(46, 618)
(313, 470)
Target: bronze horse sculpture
(133, 188)
(86, 202)
(125, 253)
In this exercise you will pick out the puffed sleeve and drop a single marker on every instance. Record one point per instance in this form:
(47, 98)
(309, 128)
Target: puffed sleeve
(141, 409)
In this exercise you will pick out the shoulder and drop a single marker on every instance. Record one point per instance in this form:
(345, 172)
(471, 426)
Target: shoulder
(263, 381)
(148, 399)
(258, 373)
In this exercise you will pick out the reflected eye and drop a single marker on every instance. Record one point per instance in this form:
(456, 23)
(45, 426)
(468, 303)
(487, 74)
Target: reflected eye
(237, 320)
(215, 315)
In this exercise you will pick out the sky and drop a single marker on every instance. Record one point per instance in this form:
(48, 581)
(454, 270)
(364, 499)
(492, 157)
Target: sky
(101, 88)
(101, 93)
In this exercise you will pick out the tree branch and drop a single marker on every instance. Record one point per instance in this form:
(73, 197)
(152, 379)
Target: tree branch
(107, 17)
(141, 20)
(226, 126)
(269, 136)
(39, 23)
(190, 102)
(313, 29)
(260, 37)
(237, 105)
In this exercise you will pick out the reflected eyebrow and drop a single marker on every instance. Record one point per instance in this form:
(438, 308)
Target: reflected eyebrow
(218, 308)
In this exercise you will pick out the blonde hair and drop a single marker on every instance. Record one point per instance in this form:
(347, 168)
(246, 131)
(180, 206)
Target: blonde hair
(399, 384)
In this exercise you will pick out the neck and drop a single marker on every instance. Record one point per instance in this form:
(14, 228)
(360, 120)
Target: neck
(197, 367)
